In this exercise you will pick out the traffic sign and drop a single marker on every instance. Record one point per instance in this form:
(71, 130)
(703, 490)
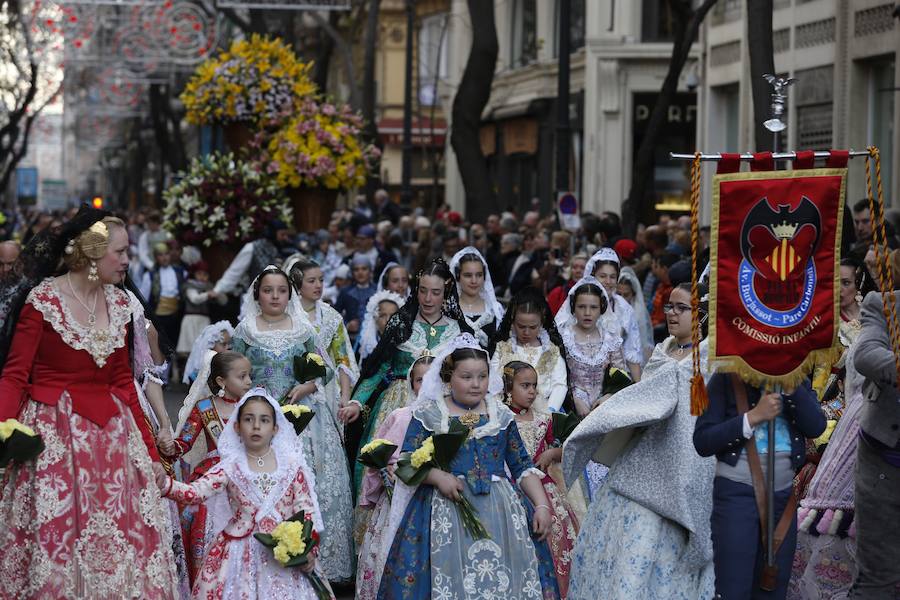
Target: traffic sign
(567, 207)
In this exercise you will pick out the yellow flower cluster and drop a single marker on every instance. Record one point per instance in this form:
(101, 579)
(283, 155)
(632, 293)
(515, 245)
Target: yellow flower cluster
(289, 535)
(423, 454)
(8, 426)
(316, 359)
(374, 445)
(257, 80)
(295, 409)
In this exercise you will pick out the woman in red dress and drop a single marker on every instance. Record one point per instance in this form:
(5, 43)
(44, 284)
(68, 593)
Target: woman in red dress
(84, 519)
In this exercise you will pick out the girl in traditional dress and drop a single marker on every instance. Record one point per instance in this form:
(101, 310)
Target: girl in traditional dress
(428, 320)
(476, 296)
(536, 429)
(604, 266)
(79, 518)
(373, 499)
(273, 331)
(331, 335)
(828, 374)
(223, 379)
(630, 289)
(379, 310)
(432, 555)
(647, 533)
(216, 337)
(264, 473)
(528, 334)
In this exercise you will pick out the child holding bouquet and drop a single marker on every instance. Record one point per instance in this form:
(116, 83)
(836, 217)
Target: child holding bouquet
(374, 503)
(434, 547)
(277, 337)
(264, 474)
(536, 428)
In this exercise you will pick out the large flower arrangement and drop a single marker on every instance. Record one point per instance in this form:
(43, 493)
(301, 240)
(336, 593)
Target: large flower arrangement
(259, 80)
(223, 199)
(321, 146)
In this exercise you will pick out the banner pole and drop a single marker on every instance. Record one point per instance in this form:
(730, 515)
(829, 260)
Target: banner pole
(715, 156)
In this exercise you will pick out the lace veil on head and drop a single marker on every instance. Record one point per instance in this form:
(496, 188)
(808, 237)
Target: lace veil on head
(601, 255)
(209, 337)
(565, 318)
(369, 336)
(487, 291)
(250, 306)
(288, 450)
(431, 409)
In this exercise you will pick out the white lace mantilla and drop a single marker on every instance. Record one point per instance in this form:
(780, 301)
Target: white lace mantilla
(99, 343)
(277, 341)
(435, 417)
(478, 322)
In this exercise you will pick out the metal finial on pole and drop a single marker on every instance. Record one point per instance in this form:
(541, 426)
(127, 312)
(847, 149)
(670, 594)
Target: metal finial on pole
(779, 105)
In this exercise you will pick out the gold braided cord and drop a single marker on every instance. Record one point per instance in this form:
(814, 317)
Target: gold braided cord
(699, 399)
(882, 253)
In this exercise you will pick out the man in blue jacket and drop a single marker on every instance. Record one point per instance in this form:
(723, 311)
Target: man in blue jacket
(734, 429)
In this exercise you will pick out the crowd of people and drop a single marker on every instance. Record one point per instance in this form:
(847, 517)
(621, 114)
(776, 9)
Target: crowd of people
(425, 328)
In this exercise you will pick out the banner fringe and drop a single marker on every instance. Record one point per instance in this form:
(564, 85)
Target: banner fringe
(789, 381)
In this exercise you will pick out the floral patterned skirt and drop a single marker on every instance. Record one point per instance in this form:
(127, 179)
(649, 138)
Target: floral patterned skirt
(85, 519)
(395, 396)
(432, 556)
(626, 551)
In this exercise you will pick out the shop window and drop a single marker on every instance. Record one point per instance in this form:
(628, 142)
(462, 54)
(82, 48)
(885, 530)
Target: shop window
(576, 25)
(523, 50)
(433, 36)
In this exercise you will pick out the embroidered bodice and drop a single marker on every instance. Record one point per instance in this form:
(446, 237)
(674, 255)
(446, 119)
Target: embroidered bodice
(246, 516)
(204, 419)
(480, 460)
(274, 368)
(588, 360)
(99, 343)
(537, 434)
(546, 360)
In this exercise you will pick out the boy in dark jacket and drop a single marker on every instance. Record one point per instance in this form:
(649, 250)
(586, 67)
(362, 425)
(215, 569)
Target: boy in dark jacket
(723, 430)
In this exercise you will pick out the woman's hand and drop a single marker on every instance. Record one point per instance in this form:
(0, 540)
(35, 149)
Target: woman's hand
(547, 458)
(543, 521)
(300, 391)
(450, 486)
(310, 565)
(349, 412)
(162, 478)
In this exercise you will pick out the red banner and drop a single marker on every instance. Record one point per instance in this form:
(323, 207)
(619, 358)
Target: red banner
(774, 285)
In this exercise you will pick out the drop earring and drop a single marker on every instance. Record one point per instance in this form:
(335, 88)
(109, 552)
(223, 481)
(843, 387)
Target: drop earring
(92, 272)
(858, 297)
(508, 399)
(221, 393)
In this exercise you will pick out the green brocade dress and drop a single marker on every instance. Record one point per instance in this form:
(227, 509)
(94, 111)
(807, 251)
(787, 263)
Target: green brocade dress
(397, 394)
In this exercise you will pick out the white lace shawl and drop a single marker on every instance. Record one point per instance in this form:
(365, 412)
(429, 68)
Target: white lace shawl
(289, 454)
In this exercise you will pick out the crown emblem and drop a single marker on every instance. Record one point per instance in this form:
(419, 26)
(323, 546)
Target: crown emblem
(785, 231)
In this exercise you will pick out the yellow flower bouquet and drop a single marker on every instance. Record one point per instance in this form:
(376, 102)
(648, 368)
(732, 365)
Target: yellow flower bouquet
(292, 542)
(377, 455)
(18, 443)
(437, 452)
(321, 146)
(298, 415)
(259, 80)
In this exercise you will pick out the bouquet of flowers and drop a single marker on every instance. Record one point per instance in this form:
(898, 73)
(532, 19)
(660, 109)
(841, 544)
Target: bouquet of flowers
(321, 146)
(563, 425)
(18, 443)
(223, 199)
(436, 452)
(376, 455)
(292, 541)
(298, 415)
(615, 380)
(259, 80)
(308, 366)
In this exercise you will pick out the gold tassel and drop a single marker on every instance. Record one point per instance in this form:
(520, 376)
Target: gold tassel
(699, 397)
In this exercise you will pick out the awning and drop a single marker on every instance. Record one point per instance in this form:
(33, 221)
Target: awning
(390, 131)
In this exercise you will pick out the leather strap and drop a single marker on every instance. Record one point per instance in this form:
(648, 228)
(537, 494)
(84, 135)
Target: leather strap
(759, 489)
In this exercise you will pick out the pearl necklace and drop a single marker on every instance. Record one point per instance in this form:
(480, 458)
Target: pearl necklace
(92, 312)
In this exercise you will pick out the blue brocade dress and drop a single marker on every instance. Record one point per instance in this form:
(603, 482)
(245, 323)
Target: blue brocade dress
(432, 555)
